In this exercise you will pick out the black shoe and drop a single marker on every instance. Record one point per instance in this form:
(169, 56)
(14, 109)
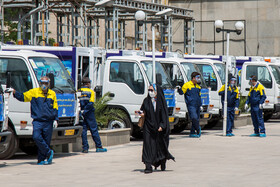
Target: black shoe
(85, 151)
(147, 171)
(163, 165)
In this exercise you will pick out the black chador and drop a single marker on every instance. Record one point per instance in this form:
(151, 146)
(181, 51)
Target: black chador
(155, 143)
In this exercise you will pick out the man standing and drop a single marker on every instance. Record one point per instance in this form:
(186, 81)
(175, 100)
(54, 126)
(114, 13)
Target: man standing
(232, 103)
(87, 101)
(256, 98)
(191, 90)
(44, 111)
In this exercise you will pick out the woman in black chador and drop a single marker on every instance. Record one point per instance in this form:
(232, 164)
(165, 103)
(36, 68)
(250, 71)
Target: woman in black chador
(155, 130)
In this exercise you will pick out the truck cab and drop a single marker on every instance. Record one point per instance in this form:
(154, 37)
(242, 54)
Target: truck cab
(25, 68)
(268, 75)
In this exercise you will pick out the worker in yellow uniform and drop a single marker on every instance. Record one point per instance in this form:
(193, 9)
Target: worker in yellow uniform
(87, 110)
(232, 103)
(192, 93)
(44, 111)
(256, 99)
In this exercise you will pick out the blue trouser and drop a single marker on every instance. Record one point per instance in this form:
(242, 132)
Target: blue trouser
(230, 119)
(194, 113)
(257, 118)
(90, 122)
(42, 135)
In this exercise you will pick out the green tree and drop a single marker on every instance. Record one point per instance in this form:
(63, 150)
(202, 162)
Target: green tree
(104, 114)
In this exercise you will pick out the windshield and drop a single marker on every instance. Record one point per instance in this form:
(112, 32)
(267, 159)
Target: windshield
(189, 68)
(221, 69)
(148, 66)
(44, 65)
(276, 73)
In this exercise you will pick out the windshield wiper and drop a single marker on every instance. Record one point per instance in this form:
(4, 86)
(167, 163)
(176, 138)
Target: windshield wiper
(60, 90)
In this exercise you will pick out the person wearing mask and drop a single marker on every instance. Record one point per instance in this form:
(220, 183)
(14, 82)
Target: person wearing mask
(44, 111)
(232, 103)
(192, 92)
(155, 130)
(87, 110)
(256, 98)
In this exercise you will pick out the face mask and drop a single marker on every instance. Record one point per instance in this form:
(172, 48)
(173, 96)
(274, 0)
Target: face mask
(44, 87)
(198, 80)
(232, 85)
(250, 83)
(152, 94)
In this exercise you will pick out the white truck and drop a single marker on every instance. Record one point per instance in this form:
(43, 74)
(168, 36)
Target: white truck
(127, 75)
(268, 75)
(179, 71)
(22, 69)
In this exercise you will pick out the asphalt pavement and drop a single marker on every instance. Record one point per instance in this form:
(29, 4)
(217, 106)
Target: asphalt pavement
(212, 160)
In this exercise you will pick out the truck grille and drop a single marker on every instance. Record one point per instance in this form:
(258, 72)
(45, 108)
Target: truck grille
(170, 111)
(66, 121)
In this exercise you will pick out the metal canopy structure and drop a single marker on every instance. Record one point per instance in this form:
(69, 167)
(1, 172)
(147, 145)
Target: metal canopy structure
(79, 21)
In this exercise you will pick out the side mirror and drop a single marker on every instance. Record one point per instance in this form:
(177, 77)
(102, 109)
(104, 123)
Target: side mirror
(51, 77)
(9, 80)
(159, 79)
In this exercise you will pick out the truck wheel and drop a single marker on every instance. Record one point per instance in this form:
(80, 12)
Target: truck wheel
(180, 126)
(30, 150)
(11, 148)
(121, 123)
(267, 116)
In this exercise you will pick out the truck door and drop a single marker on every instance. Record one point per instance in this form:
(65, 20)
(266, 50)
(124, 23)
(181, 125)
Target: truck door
(264, 77)
(125, 81)
(21, 81)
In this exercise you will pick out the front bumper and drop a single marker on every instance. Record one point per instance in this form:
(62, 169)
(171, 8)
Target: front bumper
(64, 135)
(5, 137)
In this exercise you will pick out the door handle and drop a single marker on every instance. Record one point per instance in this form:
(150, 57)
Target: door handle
(247, 89)
(111, 95)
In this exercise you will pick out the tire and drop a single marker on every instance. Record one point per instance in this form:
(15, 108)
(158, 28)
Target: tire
(11, 147)
(212, 123)
(121, 123)
(180, 126)
(30, 150)
(267, 116)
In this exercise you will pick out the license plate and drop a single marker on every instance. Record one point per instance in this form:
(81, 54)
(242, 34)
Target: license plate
(206, 115)
(69, 132)
(171, 119)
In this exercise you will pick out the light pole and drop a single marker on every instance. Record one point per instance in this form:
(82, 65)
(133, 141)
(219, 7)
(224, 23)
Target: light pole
(238, 29)
(140, 16)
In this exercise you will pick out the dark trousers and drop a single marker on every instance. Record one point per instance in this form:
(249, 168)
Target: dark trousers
(257, 118)
(194, 113)
(230, 119)
(42, 135)
(90, 122)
